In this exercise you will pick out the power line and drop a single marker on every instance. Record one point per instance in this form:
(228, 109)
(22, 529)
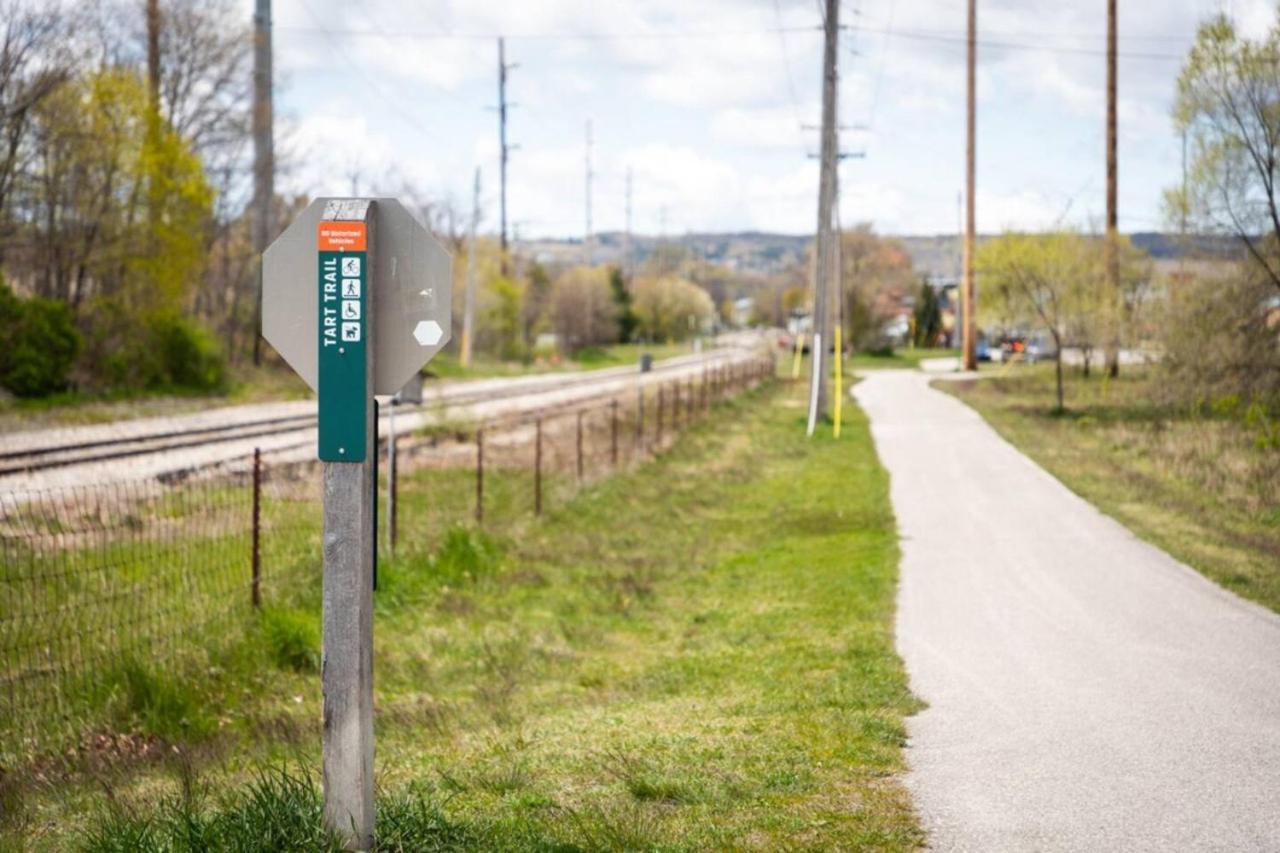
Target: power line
(960, 39)
(565, 36)
(786, 64)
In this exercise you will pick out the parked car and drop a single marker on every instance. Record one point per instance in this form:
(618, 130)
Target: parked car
(1041, 348)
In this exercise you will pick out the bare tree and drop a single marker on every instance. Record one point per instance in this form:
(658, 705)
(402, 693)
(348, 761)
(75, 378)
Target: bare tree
(32, 65)
(1228, 104)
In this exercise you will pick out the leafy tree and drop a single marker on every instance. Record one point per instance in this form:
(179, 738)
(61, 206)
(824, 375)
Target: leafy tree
(665, 307)
(583, 310)
(502, 317)
(627, 320)
(537, 298)
(876, 275)
(1228, 104)
(1043, 281)
(928, 317)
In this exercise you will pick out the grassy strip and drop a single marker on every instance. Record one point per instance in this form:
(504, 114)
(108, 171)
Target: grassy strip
(1203, 485)
(898, 358)
(697, 655)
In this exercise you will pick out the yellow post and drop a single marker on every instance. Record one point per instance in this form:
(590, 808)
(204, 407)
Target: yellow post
(795, 361)
(839, 381)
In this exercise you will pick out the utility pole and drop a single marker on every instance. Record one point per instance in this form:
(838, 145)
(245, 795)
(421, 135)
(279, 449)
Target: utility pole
(503, 149)
(826, 200)
(1111, 248)
(588, 244)
(263, 154)
(968, 334)
(626, 235)
(469, 298)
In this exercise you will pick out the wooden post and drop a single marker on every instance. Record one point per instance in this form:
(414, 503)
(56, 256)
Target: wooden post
(479, 476)
(346, 669)
(537, 469)
(255, 592)
(613, 433)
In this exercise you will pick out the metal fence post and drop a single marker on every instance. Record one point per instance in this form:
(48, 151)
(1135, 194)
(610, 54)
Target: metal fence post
(579, 442)
(613, 433)
(480, 476)
(255, 590)
(392, 491)
(662, 393)
(537, 468)
(640, 421)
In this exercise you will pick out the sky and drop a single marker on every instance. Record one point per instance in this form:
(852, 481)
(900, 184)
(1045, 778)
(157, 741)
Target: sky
(710, 106)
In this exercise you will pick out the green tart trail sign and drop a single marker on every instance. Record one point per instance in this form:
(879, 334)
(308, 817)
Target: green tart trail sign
(337, 291)
(344, 265)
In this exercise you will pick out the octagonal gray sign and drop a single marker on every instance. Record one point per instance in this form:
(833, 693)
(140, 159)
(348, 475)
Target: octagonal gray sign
(412, 286)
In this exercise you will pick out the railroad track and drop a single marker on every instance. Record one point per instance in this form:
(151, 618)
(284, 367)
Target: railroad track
(32, 460)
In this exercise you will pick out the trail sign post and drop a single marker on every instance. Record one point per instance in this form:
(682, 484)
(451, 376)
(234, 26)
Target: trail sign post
(356, 298)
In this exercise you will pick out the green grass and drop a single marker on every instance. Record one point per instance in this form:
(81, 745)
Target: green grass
(900, 358)
(1203, 485)
(696, 655)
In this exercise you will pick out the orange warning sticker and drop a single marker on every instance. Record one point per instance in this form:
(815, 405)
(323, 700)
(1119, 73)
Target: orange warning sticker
(342, 237)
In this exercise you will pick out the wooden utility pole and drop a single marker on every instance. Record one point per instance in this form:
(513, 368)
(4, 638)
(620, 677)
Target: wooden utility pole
(1111, 247)
(826, 199)
(588, 243)
(968, 333)
(469, 298)
(263, 154)
(503, 151)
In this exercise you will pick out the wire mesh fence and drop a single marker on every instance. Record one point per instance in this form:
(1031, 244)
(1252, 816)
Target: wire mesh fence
(96, 577)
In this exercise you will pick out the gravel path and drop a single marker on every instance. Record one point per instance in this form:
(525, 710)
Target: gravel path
(510, 396)
(1086, 691)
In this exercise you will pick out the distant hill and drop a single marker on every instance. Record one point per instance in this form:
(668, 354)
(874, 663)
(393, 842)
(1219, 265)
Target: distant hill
(756, 252)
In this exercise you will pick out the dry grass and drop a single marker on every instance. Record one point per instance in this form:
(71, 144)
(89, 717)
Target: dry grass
(1203, 484)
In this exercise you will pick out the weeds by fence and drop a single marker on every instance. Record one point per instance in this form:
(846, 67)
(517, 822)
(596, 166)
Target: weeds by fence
(100, 583)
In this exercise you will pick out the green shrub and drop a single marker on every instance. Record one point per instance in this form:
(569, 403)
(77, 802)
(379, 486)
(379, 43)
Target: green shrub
(168, 352)
(41, 344)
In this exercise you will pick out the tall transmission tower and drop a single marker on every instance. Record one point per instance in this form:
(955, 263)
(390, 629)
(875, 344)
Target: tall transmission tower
(469, 299)
(264, 168)
(969, 352)
(588, 243)
(824, 250)
(626, 234)
(504, 150)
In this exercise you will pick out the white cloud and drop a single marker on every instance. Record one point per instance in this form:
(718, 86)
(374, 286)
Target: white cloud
(701, 101)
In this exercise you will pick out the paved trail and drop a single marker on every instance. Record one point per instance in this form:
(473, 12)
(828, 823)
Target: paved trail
(1086, 691)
